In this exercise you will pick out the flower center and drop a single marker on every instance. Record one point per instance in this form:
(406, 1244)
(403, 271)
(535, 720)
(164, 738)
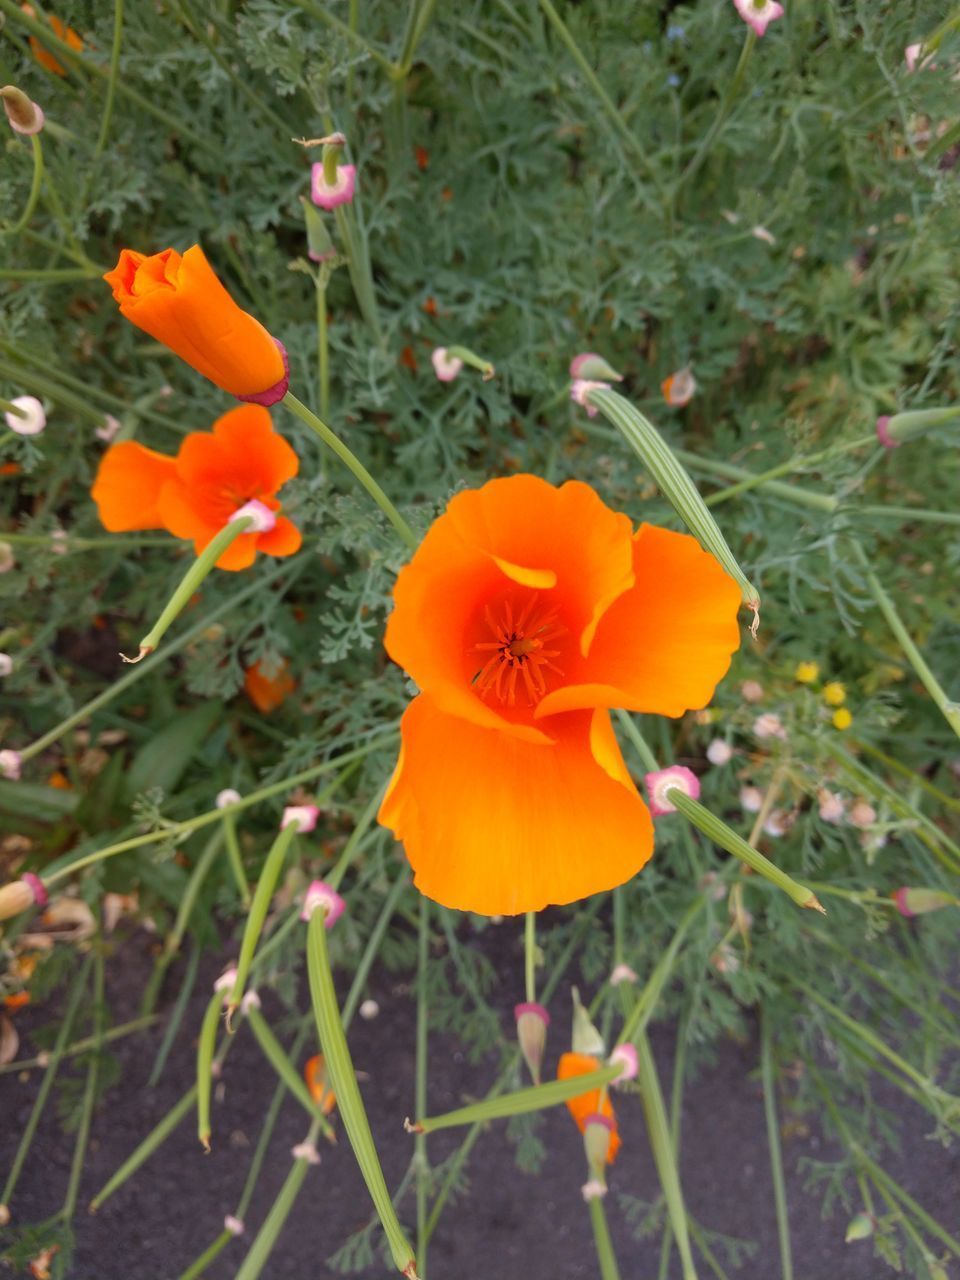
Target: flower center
(518, 655)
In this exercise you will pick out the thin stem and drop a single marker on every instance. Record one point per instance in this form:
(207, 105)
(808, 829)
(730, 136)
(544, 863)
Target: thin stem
(420, 1092)
(82, 1046)
(255, 1261)
(773, 1138)
(89, 1092)
(113, 77)
(235, 858)
(351, 848)
(606, 1258)
(150, 1143)
(353, 463)
(530, 956)
(323, 350)
(35, 186)
(788, 468)
(726, 105)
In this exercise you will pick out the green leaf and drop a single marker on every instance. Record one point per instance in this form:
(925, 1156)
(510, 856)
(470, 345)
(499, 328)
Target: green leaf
(162, 761)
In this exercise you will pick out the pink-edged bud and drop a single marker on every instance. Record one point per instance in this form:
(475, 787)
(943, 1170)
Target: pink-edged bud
(226, 980)
(769, 726)
(10, 762)
(250, 1001)
(751, 799)
(659, 784)
(233, 1225)
(919, 902)
(589, 365)
(22, 894)
(306, 1151)
(6, 664)
(31, 418)
(227, 797)
(319, 894)
(23, 114)
(863, 815)
(445, 366)
(108, 430)
(327, 195)
(830, 805)
(883, 424)
(627, 1055)
(580, 389)
(861, 1227)
(302, 816)
(751, 691)
(593, 1190)
(261, 518)
(597, 1135)
(621, 973)
(758, 14)
(679, 388)
(532, 1022)
(719, 752)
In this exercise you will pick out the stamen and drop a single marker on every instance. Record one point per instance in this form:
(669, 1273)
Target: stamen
(518, 651)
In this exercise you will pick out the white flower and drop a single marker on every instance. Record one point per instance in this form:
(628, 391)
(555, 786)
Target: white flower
(719, 752)
(30, 421)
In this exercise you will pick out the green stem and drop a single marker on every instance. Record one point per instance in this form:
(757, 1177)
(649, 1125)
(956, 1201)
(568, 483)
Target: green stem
(948, 708)
(420, 1091)
(113, 74)
(343, 1080)
(205, 1048)
(81, 1046)
(353, 463)
(89, 1092)
(728, 471)
(351, 848)
(530, 956)
(35, 186)
(268, 1234)
(787, 468)
(56, 275)
(235, 858)
(726, 105)
(151, 1142)
(190, 583)
(636, 1023)
(323, 350)
(174, 1022)
(521, 1101)
(606, 1258)
(287, 1073)
(773, 1138)
(358, 267)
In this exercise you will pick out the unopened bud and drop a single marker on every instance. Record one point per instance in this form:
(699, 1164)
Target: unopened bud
(919, 902)
(860, 1228)
(321, 895)
(719, 752)
(896, 430)
(532, 1022)
(625, 1055)
(320, 247)
(21, 894)
(597, 1136)
(585, 1038)
(23, 114)
(589, 365)
(622, 973)
(227, 797)
(10, 765)
(679, 388)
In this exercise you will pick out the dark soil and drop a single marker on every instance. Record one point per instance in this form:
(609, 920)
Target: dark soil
(510, 1225)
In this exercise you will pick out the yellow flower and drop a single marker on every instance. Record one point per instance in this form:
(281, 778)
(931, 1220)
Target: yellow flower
(806, 672)
(834, 693)
(842, 719)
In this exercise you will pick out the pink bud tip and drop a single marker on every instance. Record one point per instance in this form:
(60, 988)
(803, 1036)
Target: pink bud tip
(531, 1007)
(226, 980)
(271, 395)
(758, 14)
(588, 364)
(596, 1118)
(660, 783)
(883, 433)
(31, 419)
(320, 894)
(622, 973)
(328, 196)
(109, 429)
(302, 816)
(227, 797)
(593, 1190)
(262, 518)
(445, 366)
(580, 388)
(233, 1225)
(10, 762)
(627, 1055)
(900, 898)
(250, 1001)
(306, 1151)
(36, 886)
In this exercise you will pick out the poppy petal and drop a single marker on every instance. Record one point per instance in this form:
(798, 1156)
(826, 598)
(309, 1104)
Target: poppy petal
(255, 448)
(128, 486)
(592, 1102)
(497, 825)
(663, 646)
(283, 539)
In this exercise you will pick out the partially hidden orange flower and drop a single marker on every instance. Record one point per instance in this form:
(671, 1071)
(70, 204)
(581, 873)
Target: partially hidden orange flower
(268, 692)
(526, 612)
(315, 1074)
(195, 494)
(593, 1102)
(65, 33)
(181, 302)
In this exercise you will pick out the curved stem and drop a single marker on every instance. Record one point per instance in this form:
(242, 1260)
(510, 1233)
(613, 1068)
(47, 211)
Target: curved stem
(35, 186)
(720, 119)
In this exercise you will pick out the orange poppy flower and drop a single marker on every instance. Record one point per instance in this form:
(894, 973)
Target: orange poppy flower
(65, 33)
(525, 613)
(267, 692)
(194, 494)
(593, 1102)
(315, 1074)
(181, 302)
(19, 1000)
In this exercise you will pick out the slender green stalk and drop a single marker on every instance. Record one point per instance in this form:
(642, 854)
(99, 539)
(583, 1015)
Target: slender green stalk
(147, 1147)
(51, 275)
(949, 709)
(420, 1088)
(357, 253)
(269, 1124)
(728, 471)
(661, 1145)
(268, 1234)
(726, 104)
(353, 463)
(520, 1101)
(788, 468)
(916, 779)
(373, 946)
(773, 1138)
(629, 725)
(351, 848)
(205, 1047)
(716, 829)
(606, 1258)
(113, 74)
(647, 999)
(81, 1046)
(530, 956)
(323, 350)
(35, 185)
(210, 1254)
(289, 1076)
(175, 937)
(235, 858)
(175, 1020)
(46, 1084)
(89, 1091)
(343, 1079)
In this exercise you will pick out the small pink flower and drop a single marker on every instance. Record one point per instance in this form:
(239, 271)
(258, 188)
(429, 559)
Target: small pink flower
(911, 56)
(445, 366)
(863, 815)
(660, 782)
(227, 797)
(34, 420)
(621, 973)
(759, 13)
(831, 806)
(233, 1225)
(719, 752)
(627, 1055)
(226, 980)
(593, 1190)
(306, 1151)
(752, 691)
(10, 762)
(328, 196)
(302, 816)
(6, 664)
(263, 519)
(751, 799)
(320, 894)
(769, 726)
(111, 426)
(579, 390)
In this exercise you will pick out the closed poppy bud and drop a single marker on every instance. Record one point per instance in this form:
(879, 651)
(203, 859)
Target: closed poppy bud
(586, 1039)
(23, 114)
(315, 1074)
(532, 1022)
(918, 902)
(180, 301)
(319, 245)
(860, 1228)
(896, 430)
(758, 14)
(26, 892)
(597, 1138)
(589, 365)
(331, 183)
